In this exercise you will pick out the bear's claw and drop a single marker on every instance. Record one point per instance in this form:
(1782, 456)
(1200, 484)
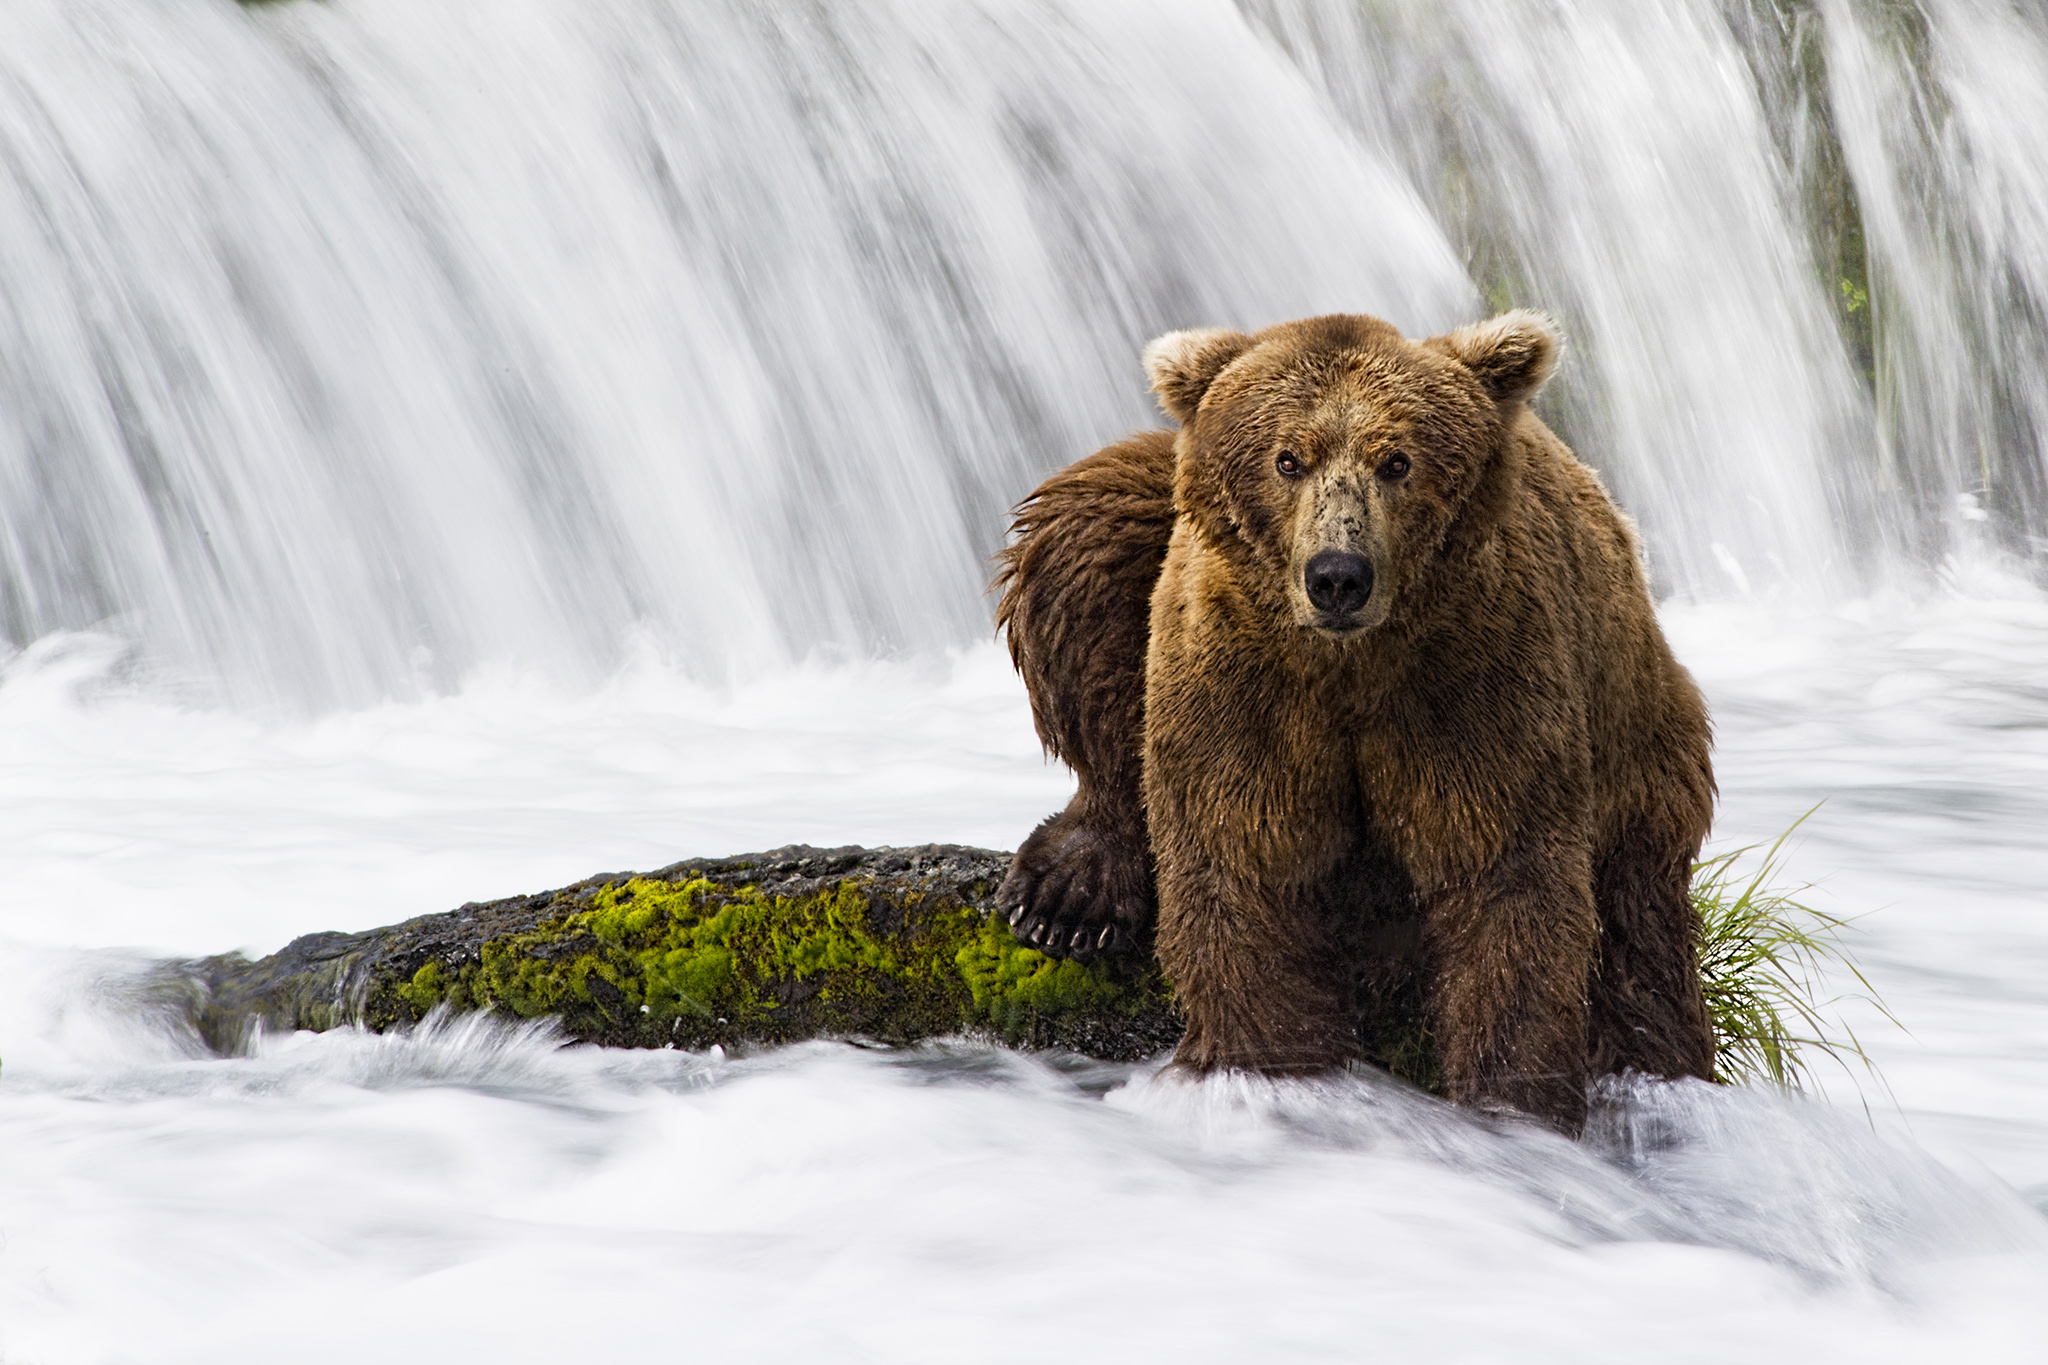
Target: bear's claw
(1075, 890)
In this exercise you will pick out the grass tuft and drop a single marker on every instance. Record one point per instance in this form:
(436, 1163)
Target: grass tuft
(1764, 958)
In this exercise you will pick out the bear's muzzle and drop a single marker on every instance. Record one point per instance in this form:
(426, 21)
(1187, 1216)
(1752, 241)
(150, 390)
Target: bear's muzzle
(1339, 584)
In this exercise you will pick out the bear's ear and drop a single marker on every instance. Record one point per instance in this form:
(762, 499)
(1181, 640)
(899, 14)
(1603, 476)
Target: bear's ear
(1182, 365)
(1511, 355)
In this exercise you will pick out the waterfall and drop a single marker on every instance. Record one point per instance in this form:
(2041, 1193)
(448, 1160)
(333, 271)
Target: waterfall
(346, 347)
(1943, 116)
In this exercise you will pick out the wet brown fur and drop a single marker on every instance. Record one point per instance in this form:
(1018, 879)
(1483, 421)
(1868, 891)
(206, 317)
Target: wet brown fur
(1487, 787)
(1094, 535)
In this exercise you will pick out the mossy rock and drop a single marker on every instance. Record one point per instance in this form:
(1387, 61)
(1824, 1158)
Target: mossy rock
(883, 945)
(890, 945)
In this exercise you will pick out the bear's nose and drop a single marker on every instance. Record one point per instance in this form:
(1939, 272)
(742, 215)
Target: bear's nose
(1338, 583)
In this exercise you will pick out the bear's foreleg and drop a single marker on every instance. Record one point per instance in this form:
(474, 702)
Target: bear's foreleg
(1648, 1011)
(1255, 816)
(1077, 585)
(1514, 954)
(1261, 984)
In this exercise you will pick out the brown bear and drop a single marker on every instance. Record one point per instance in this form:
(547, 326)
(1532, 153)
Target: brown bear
(1364, 688)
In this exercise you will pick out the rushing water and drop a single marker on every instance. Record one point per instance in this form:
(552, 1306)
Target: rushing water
(449, 447)
(475, 1192)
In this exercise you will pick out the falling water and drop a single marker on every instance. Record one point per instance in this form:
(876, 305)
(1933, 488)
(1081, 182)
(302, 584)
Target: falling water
(346, 347)
(1943, 117)
(349, 343)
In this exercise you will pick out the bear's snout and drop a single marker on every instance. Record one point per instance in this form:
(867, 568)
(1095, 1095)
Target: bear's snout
(1339, 584)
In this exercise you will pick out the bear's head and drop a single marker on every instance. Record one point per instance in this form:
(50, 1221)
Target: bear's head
(1342, 461)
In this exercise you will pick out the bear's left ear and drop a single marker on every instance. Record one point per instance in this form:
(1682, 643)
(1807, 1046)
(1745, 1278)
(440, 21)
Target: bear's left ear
(1510, 355)
(1182, 365)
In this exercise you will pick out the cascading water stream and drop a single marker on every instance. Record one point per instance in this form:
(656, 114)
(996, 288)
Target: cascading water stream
(390, 334)
(1943, 117)
(344, 348)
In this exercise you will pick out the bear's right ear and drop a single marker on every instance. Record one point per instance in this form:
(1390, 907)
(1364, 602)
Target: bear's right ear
(1182, 365)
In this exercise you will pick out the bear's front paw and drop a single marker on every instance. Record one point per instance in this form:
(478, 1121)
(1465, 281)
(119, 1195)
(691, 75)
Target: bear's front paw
(1075, 890)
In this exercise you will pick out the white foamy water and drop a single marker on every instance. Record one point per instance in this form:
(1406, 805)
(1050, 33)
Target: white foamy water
(477, 1191)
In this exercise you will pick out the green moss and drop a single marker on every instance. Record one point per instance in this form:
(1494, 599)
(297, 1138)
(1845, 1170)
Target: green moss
(429, 987)
(1008, 982)
(651, 962)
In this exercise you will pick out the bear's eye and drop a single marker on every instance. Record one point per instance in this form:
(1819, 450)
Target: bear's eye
(1394, 467)
(1288, 464)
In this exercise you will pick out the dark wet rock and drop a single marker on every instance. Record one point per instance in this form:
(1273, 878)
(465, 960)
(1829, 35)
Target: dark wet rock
(890, 945)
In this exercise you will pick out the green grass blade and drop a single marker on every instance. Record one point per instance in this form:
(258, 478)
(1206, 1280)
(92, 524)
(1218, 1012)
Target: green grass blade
(1764, 957)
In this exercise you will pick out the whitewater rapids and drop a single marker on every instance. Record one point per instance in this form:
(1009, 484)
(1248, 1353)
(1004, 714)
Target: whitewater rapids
(476, 1191)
